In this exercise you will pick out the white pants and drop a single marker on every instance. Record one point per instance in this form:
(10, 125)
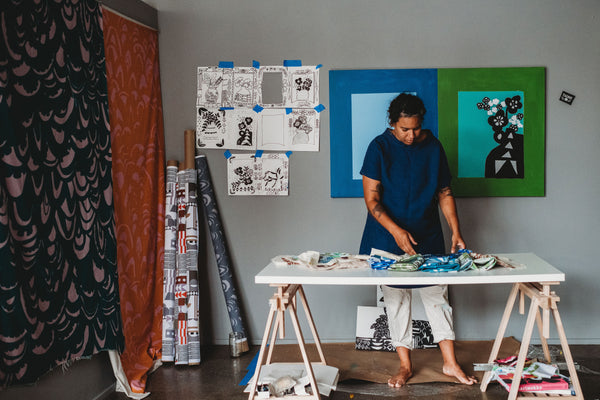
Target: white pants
(398, 308)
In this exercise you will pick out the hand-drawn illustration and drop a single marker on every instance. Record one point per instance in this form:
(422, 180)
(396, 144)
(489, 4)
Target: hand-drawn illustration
(295, 129)
(273, 128)
(244, 87)
(273, 79)
(210, 127)
(247, 108)
(303, 129)
(241, 127)
(210, 86)
(304, 87)
(261, 176)
(241, 176)
(273, 170)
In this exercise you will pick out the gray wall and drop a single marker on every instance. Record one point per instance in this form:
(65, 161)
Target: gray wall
(561, 227)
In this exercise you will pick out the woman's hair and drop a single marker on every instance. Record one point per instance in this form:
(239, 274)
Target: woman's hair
(406, 105)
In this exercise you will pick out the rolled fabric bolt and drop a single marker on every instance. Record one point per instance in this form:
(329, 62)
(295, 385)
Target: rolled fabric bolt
(213, 218)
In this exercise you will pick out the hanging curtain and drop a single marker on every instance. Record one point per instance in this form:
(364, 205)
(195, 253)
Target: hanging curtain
(59, 295)
(136, 123)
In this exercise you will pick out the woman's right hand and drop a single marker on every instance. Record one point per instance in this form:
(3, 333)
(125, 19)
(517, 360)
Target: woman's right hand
(405, 241)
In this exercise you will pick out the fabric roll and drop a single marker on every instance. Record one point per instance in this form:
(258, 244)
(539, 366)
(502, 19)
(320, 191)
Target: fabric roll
(181, 280)
(191, 256)
(217, 235)
(170, 264)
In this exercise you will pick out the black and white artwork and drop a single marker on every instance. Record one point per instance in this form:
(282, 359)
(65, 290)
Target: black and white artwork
(303, 129)
(245, 85)
(289, 129)
(303, 87)
(373, 333)
(249, 175)
(241, 126)
(264, 108)
(210, 128)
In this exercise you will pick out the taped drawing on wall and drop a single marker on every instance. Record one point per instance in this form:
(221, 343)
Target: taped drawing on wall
(241, 126)
(210, 127)
(262, 107)
(289, 129)
(249, 175)
(226, 87)
(304, 88)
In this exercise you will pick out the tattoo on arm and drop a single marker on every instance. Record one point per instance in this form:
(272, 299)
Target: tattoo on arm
(378, 188)
(447, 191)
(377, 210)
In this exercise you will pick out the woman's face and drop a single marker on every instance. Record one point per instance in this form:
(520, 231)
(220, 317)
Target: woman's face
(408, 130)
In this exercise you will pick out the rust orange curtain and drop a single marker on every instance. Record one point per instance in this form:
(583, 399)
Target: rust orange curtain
(136, 122)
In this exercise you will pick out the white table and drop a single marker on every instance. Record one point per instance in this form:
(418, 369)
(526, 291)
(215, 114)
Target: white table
(533, 281)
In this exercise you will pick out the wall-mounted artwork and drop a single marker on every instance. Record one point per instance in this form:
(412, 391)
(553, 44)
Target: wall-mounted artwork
(259, 107)
(494, 129)
(289, 129)
(490, 121)
(253, 175)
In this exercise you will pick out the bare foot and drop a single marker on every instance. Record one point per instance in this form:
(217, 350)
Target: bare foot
(455, 371)
(400, 378)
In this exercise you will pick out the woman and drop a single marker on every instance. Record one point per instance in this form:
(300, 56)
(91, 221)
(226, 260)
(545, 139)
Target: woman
(405, 178)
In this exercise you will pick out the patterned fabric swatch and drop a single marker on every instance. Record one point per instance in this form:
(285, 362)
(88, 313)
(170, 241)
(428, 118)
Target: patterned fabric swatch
(59, 295)
(136, 122)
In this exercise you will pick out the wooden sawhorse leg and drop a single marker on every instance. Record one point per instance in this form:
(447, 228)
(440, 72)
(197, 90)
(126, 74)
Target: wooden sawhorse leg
(541, 297)
(285, 299)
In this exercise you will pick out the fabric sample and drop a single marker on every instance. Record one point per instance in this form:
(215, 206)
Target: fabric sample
(59, 295)
(136, 122)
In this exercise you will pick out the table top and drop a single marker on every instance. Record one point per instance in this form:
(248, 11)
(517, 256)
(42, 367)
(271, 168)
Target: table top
(535, 270)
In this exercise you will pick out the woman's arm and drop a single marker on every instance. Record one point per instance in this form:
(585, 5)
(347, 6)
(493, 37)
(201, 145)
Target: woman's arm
(448, 207)
(372, 192)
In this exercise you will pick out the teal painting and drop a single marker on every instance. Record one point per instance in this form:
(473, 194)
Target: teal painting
(490, 134)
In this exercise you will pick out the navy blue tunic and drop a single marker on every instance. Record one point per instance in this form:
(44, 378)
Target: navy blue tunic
(410, 177)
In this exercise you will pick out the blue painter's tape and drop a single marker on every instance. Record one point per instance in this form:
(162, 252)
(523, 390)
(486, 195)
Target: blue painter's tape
(319, 108)
(292, 63)
(225, 64)
(258, 154)
(226, 108)
(258, 108)
(255, 64)
(227, 154)
(288, 110)
(251, 370)
(288, 154)
(319, 66)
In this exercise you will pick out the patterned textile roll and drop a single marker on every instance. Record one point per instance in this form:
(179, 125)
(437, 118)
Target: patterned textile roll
(170, 263)
(191, 255)
(181, 280)
(215, 227)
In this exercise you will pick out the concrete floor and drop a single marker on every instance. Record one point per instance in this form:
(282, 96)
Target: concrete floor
(218, 377)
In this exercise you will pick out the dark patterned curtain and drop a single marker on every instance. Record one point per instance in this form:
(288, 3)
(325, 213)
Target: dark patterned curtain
(59, 296)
